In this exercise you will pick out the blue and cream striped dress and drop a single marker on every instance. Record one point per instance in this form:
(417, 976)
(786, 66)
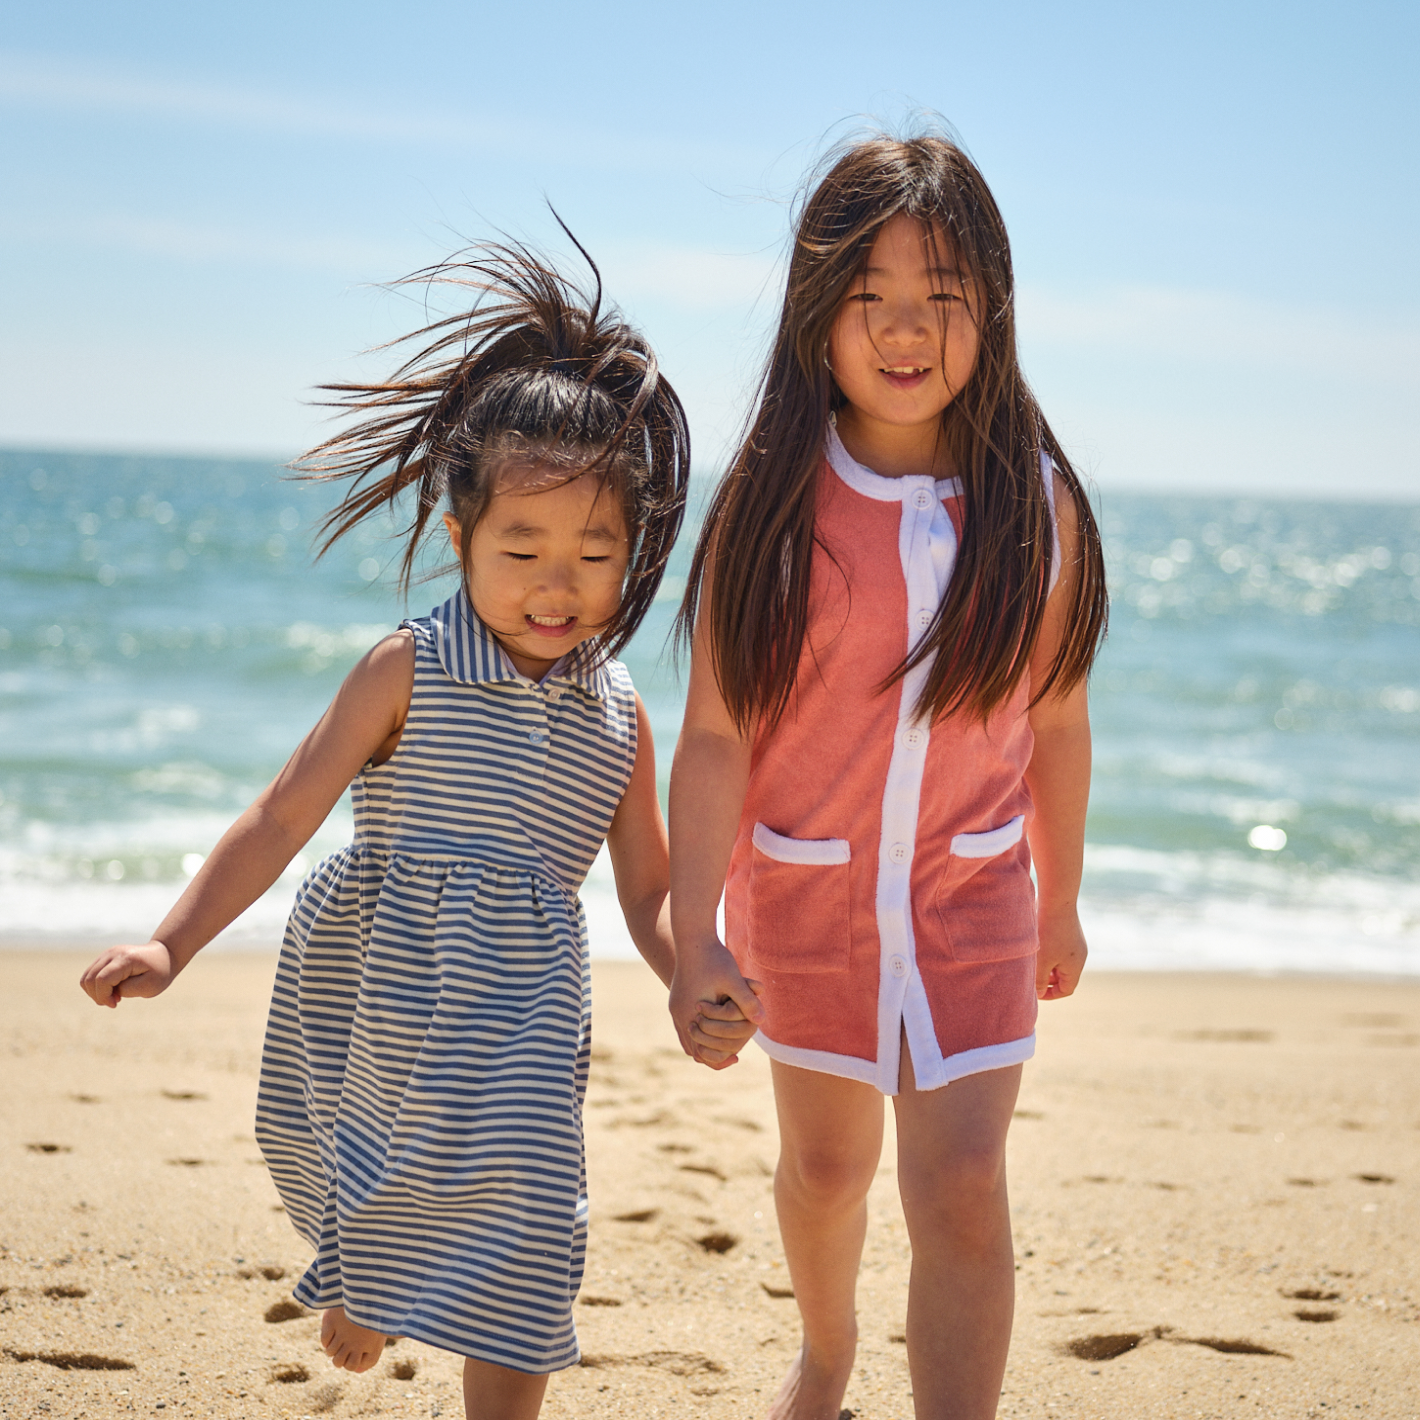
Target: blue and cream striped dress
(426, 1054)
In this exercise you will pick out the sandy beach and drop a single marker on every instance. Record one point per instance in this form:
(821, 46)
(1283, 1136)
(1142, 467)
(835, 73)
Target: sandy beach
(1214, 1180)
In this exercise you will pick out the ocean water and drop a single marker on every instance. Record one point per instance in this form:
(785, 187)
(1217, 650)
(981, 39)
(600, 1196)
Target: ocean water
(166, 640)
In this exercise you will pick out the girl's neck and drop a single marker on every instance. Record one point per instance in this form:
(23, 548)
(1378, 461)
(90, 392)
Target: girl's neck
(895, 450)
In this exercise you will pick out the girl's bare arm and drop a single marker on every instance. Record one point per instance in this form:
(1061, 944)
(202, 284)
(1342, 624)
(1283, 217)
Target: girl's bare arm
(364, 721)
(1058, 777)
(640, 856)
(714, 1009)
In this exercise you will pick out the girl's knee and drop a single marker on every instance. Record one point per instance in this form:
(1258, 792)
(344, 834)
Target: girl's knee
(967, 1190)
(824, 1178)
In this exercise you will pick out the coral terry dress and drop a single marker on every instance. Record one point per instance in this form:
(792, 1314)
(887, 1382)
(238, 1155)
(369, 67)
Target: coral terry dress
(880, 880)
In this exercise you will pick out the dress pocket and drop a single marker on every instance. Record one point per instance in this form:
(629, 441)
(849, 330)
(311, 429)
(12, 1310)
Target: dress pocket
(986, 901)
(798, 903)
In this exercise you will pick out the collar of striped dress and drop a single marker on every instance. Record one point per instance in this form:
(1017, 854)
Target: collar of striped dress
(470, 654)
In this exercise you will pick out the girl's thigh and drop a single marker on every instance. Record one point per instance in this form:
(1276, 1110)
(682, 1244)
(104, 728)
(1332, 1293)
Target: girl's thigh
(830, 1129)
(951, 1142)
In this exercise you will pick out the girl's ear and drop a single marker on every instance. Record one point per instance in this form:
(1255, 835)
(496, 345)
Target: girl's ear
(455, 533)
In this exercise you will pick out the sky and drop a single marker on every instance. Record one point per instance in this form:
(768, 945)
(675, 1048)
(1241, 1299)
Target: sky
(1212, 206)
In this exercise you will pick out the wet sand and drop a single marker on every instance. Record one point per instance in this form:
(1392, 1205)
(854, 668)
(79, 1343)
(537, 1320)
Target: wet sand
(1215, 1183)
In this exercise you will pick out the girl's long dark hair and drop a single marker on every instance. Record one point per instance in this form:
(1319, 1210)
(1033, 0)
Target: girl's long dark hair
(537, 372)
(756, 547)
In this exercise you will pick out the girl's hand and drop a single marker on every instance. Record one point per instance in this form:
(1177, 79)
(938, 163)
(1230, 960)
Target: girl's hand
(128, 971)
(715, 1010)
(1062, 954)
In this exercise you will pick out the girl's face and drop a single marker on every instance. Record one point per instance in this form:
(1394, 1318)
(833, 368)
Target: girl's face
(905, 340)
(546, 564)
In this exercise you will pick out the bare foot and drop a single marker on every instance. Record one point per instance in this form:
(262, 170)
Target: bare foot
(348, 1344)
(813, 1389)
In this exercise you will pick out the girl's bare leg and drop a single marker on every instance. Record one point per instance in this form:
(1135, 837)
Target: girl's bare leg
(831, 1136)
(495, 1393)
(952, 1171)
(348, 1344)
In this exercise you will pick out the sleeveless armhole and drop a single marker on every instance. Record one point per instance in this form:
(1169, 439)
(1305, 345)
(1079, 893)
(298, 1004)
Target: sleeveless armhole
(1047, 473)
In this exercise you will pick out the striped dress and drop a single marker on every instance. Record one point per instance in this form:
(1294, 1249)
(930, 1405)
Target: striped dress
(426, 1054)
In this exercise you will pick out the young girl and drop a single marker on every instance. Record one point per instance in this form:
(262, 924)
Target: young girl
(426, 1054)
(895, 601)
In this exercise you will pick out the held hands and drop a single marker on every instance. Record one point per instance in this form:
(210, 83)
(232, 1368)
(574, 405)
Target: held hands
(714, 1008)
(1062, 954)
(128, 971)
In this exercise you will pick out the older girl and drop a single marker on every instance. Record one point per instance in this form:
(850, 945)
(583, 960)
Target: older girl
(893, 607)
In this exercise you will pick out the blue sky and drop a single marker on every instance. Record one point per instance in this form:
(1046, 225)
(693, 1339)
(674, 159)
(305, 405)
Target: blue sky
(1213, 206)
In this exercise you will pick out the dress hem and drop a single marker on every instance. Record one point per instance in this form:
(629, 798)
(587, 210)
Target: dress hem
(869, 1072)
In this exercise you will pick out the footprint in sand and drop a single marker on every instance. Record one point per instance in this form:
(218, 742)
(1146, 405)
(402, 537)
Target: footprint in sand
(752, 1125)
(1311, 1294)
(183, 1095)
(780, 1293)
(285, 1310)
(1373, 1178)
(1230, 1348)
(290, 1375)
(1316, 1314)
(66, 1292)
(708, 1169)
(678, 1363)
(641, 1215)
(72, 1360)
(403, 1370)
(45, 1148)
(1108, 1346)
(717, 1242)
(1244, 1036)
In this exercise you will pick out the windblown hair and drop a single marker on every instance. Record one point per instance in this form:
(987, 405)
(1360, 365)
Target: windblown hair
(539, 375)
(752, 563)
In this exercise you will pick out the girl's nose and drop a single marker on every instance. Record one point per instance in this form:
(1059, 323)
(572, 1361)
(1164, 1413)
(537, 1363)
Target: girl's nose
(558, 576)
(904, 321)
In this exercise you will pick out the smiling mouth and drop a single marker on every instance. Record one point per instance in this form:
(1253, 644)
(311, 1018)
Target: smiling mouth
(550, 625)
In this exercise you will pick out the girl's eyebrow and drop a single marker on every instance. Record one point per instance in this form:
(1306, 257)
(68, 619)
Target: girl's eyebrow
(931, 271)
(599, 532)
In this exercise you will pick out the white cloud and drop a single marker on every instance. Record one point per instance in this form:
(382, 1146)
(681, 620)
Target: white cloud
(205, 242)
(691, 278)
(35, 81)
(1221, 329)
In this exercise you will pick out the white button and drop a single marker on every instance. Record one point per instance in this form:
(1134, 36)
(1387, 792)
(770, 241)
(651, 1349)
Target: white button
(536, 737)
(922, 499)
(554, 694)
(897, 965)
(924, 619)
(899, 852)
(914, 739)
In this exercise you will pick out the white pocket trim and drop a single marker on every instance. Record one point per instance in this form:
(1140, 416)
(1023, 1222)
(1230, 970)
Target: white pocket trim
(808, 852)
(990, 843)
